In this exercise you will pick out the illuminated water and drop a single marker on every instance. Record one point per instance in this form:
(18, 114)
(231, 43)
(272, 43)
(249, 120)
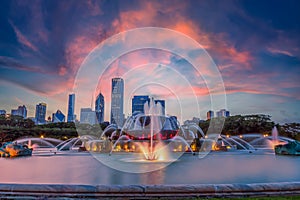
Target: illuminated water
(217, 167)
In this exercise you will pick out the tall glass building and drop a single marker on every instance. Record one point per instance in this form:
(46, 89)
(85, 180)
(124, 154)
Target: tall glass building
(117, 101)
(138, 103)
(40, 113)
(2, 112)
(210, 114)
(99, 108)
(87, 116)
(223, 113)
(71, 107)
(21, 111)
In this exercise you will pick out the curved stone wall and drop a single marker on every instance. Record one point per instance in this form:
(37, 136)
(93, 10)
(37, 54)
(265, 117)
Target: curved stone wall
(147, 191)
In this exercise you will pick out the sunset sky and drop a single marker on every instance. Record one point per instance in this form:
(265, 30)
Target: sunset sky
(254, 44)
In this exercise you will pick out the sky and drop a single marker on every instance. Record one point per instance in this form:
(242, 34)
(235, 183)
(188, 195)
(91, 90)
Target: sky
(255, 46)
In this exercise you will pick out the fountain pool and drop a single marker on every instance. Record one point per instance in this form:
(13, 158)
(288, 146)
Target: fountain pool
(216, 168)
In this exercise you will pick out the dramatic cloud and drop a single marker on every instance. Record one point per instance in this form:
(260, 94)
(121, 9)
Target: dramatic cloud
(43, 44)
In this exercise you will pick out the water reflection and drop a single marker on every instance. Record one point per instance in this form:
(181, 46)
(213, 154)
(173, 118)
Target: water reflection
(153, 178)
(218, 167)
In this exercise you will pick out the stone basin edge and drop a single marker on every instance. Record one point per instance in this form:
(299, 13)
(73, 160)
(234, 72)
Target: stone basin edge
(156, 191)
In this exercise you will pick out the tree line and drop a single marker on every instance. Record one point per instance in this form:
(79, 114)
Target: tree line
(14, 127)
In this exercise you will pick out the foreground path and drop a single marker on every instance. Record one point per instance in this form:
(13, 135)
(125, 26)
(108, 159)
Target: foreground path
(44, 191)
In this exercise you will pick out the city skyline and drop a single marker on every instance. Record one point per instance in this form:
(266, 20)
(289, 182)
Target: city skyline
(88, 115)
(254, 45)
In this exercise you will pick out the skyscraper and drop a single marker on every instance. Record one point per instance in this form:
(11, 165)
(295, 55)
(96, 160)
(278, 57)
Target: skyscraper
(40, 113)
(223, 113)
(99, 108)
(138, 103)
(21, 111)
(58, 117)
(2, 112)
(87, 116)
(71, 107)
(210, 114)
(117, 101)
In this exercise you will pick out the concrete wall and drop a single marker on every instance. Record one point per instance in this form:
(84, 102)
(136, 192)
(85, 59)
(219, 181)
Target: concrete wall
(42, 191)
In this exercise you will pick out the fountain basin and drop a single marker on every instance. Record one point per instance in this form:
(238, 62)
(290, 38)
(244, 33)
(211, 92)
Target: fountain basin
(149, 191)
(291, 148)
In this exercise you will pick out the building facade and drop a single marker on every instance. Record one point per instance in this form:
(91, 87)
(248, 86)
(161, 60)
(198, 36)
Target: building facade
(40, 113)
(58, 117)
(99, 108)
(138, 103)
(223, 113)
(117, 102)
(210, 114)
(87, 116)
(20, 111)
(71, 108)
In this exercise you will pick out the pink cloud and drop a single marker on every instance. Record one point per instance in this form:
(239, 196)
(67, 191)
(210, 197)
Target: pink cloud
(22, 39)
(76, 50)
(259, 85)
(62, 71)
(94, 8)
(19, 100)
(278, 51)
(149, 15)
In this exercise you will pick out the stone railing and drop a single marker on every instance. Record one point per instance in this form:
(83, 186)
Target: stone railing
(44, 191)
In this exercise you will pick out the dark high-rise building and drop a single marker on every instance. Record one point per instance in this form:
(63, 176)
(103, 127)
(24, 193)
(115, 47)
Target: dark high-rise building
(210, 114)
(58, 117)
(227, 113)
(2, 112)
(14, 112)
(117, 101)
(21, 111)
(138, 103)
(40, 113)
(99, 108)
(71, 107)
(163, 105)
(223, 113)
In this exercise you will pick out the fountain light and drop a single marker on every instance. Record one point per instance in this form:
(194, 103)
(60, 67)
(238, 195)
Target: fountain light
(186, 148)
(194, 147)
